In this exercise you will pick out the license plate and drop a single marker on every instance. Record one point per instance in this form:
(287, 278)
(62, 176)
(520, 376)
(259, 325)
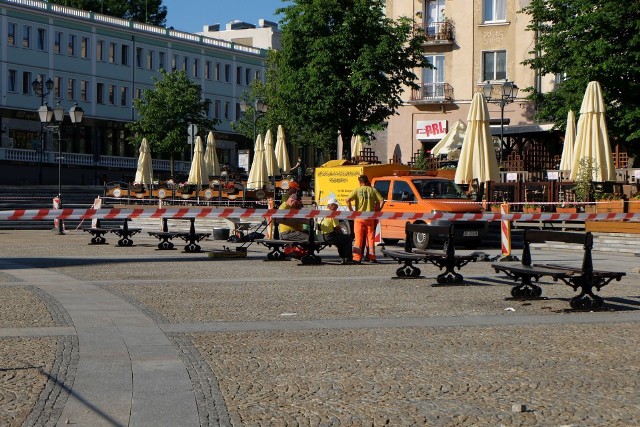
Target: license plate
(470, 233)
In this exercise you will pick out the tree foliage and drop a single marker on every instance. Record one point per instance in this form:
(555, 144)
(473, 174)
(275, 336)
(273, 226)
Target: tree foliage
(343, 67)
(149, 11)
(586, 40)
(166, 111)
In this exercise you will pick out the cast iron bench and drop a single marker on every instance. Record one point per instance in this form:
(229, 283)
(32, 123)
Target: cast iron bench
(125, 233)
(446, 258)
(98, 233)
(191, 237)
(583, 277)
(276, 246)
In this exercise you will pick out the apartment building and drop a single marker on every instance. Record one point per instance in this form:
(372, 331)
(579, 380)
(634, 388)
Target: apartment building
(469, 43)
(102, 63)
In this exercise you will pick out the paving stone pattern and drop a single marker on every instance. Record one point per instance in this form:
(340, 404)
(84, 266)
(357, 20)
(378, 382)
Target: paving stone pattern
(280, 344)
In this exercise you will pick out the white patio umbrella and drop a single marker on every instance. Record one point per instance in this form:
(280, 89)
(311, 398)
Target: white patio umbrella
(357, 147)
(451, 141)
(477, 156)
(258, 172)
(282, 156)
(211, 157)
(569, 141)
(270, 155)
(592, 140)
(198, 172)
(144, 172)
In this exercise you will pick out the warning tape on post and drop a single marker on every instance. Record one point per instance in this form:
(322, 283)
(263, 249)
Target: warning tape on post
(243, 213)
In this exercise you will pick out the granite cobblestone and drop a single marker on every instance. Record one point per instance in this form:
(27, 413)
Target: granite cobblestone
(302, 372)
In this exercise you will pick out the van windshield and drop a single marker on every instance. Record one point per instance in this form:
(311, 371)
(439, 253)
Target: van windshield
(438, 189)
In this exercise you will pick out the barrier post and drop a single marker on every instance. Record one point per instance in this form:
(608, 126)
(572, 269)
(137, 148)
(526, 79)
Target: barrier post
(505, 234)
(58, 224)
(269, 231)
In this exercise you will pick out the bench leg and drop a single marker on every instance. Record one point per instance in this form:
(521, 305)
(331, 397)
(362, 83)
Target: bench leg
(450, 276)
(165, 245)
(408, 270)
(192, 247)
(587, 299)
(276, 255)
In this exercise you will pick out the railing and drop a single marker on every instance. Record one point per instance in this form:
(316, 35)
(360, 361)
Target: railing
(433, 93)
(110, 20)
(78, 159)
(438, 31)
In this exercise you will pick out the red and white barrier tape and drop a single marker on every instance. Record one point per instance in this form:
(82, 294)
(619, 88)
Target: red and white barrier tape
(201, 212)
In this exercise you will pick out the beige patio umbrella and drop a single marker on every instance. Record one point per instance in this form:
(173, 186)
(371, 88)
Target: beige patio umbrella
(270, 155)
(477, 156)
(357, 146)
(569, 141)
(258, 173)
(451, 141)
(144, 173)
(592, 140)
(198, 172)
(211, 157)
(282, 156)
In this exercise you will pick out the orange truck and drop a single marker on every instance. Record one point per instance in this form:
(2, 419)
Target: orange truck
(403, 192)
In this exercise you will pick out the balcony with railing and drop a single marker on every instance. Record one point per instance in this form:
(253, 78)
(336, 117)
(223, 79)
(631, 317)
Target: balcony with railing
(432, 93)
(438, 32)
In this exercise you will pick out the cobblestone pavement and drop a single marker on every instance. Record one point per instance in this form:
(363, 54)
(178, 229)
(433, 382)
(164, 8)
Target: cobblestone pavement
(277, 343)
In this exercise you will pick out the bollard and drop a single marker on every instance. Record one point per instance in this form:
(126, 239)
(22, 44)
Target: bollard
(505, 233)
(269, 231)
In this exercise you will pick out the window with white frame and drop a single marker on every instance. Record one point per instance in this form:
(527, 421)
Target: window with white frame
(26, 36)
(494, 10)
(11, 34)
(42, 39)
(11, 87)
(433, 78)
(435, 16)
(494, 65)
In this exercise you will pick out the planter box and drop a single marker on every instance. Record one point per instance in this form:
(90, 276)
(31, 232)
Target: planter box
(615, 206)
(560, 209)
(633, 206)
(589, 208)
(532, 210)
(446, 173)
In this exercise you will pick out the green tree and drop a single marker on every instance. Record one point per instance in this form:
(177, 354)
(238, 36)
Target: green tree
(149, 11)
(166, 111)
(585, 40)
(343, 67)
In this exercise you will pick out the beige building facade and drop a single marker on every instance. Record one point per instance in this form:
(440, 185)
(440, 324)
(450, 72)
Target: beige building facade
(469, 43)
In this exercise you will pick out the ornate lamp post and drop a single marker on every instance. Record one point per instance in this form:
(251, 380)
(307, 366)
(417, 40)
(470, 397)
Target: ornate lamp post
(42, 89)
(51, 120)
(507, 92)
(259, 107)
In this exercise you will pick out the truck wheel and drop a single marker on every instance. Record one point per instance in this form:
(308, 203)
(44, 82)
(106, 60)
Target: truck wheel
(346, 227)
(421, 240)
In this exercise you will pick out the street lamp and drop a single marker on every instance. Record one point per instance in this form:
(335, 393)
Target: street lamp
(507, 92)
(42, 89)
(51, 120)
(259, 107)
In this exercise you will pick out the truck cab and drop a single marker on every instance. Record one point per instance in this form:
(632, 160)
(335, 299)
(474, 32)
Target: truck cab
(426, 194)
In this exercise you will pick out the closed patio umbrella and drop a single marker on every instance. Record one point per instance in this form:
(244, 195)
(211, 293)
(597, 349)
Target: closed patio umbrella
(211, 157)
(144, 172)
(592, 140)
(270, 155)
(198, 172)
(451, 141)
(358, 147)
(258, 172)
(477, 156)
(569, 141)
(282, 156)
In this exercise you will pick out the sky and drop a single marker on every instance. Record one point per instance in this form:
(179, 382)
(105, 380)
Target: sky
(192, 15)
